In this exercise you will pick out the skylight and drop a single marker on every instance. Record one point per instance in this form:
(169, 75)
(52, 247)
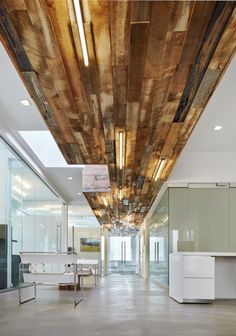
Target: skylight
(45, 148)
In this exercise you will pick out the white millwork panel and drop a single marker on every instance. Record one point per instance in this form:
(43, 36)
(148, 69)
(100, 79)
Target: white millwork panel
(175, 277)
(202, 276)
(225, 278)
(192, 277)
(198, 289)
(198, 267)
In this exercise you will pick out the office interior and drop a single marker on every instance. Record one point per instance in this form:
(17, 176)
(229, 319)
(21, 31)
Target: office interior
(117, 167)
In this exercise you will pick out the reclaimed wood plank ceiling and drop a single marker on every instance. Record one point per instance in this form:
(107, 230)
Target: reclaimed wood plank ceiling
(153, 65)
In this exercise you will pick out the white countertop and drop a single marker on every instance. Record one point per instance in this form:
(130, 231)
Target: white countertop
(87, 261)
(212, 254)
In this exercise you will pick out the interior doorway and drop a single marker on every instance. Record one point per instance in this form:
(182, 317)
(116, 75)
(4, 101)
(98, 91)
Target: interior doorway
(123, 254)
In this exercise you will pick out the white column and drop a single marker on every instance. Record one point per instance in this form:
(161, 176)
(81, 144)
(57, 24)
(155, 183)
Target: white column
(146, 251)
(106, 252)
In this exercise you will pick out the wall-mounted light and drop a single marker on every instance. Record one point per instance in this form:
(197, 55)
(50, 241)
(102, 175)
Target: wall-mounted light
(81, 31)
(121, 149)
(159, 169)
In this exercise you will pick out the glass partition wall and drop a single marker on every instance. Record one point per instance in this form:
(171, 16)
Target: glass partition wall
(31, 215)
(123, 254)
(158, 242)
(199, 219)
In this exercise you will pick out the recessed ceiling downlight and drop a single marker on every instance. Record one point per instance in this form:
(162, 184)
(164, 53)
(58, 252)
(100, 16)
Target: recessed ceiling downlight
(218, 128)
(25, 102)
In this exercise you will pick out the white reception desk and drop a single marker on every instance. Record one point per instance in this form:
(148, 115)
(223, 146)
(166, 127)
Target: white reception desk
(202, 276)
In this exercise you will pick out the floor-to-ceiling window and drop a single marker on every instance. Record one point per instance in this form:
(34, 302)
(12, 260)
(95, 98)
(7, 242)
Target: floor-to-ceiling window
(31, 215)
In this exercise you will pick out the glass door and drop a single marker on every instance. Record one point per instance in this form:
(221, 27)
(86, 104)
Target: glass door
(123, 255)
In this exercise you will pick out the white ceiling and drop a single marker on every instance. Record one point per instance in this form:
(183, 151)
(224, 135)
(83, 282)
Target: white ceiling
(209, 155)
(15, 118)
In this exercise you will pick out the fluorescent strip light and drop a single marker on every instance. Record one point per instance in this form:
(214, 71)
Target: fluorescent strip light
(120, 194)
(105, 201)
(121, 149)
(160, 167)
(81, 31)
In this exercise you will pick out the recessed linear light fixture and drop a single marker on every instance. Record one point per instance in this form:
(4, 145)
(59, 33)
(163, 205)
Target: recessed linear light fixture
(25, 102)
(81, 31)
(79, 193)
(121, 149)
(70, 178)
(120, 194)
(105, 201)
(218, 128)
(159, 169)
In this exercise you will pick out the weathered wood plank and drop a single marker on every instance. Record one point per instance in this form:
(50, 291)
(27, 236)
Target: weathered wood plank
(172, 139)
(214, 31)
(140, 10)
(9, 36)
(138, 40)
(119, 12)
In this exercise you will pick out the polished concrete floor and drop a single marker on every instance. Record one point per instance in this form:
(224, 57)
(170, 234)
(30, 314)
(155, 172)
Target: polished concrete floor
(120, 305)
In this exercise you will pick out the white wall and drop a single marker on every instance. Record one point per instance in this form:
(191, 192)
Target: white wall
(209, 155)
(84, 233)
(204, 167)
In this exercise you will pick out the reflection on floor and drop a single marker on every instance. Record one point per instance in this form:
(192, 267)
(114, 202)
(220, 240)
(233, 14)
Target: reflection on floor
(120, 305)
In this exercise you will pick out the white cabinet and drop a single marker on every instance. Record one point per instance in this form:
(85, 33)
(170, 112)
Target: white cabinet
(198, 289)
(192, 278)
(198, 267)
